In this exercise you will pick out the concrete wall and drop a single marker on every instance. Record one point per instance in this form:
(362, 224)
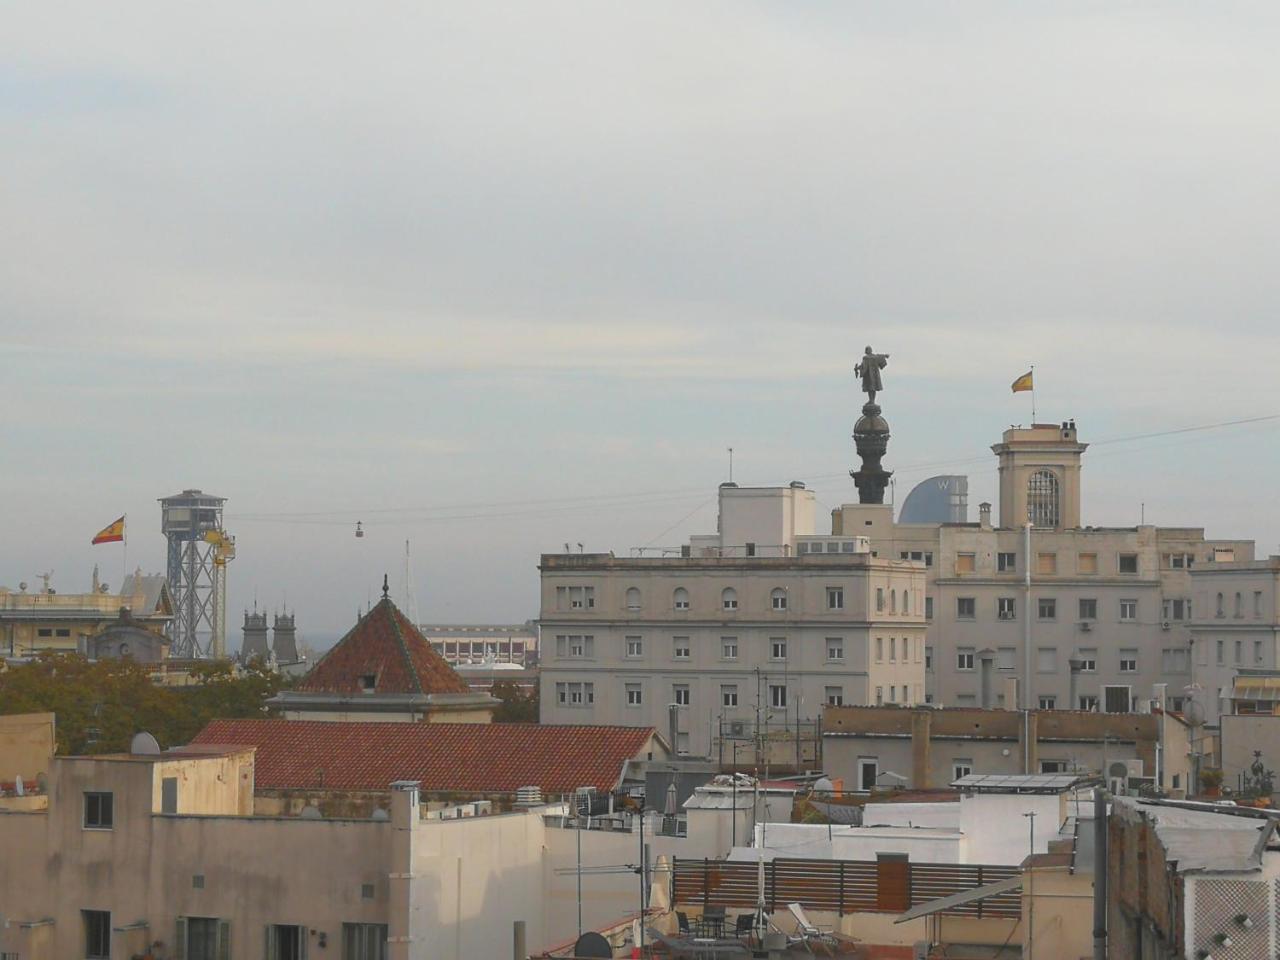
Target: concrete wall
(1061, 918)
(27, 743)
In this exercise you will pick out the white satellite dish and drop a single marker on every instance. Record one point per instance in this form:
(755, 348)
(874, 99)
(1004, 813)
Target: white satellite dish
(18, 788)
(144, 743)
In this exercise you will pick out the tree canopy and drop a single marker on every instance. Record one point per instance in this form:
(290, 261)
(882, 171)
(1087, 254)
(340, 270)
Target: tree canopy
(101, 704)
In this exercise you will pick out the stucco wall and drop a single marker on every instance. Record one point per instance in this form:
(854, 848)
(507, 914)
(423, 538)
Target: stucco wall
(26, 746)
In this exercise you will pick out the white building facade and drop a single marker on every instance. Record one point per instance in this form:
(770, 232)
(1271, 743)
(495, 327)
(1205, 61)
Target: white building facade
(750, 629)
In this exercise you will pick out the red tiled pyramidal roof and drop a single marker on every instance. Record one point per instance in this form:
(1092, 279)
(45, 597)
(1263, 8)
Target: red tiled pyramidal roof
(387, 647)
(456, 757)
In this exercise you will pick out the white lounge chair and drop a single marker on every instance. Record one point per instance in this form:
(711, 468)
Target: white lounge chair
(810, 933)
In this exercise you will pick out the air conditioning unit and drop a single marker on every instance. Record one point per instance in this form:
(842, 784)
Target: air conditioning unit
(1165, 625)
(1086, 625)
(737, 728)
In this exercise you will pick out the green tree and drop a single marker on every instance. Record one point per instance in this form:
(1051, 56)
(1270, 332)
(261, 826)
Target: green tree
(515, 707)
(100, 705)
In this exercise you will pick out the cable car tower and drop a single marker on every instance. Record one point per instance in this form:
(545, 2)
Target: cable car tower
(199, 550)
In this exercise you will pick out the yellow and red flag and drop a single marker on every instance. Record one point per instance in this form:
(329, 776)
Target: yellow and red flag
(111, 533)
(1023, 383)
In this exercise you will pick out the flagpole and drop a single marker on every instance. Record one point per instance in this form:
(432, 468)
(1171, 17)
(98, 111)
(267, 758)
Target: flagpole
(124, 560)
(1033, 395)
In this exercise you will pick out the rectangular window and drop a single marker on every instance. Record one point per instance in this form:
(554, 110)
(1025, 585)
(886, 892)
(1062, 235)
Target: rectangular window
(1048, 703)
(1089, 659)
(1257, 651)
(964, 658)
(893, 649)
(1222, 652)
(1174, 660)
(1257, 603)
(1047, 608)
(1088, 703)
(575, 694)
(634, 695)
(575, 598)
(868, 771)
(965, 562)
(778, 696)
(834, 696)
(1046, 563)
(779, 599)
(205, 938)
(1127, 563)
(928, 608)
(62, 632)
(1006, 562)
(1087, 563)
(364, 941)
(777, 648)
(288, 942)
(835, 598)
(729, 648)
(928, 657)
(835, 648)
(98, 811)
(1238, 647)
(1128, 610)
(1047, 660)
(1128, 660)
(1053, 766)
(572, 647)
(635, 647)
(879, 599)
(966, 608)
(680, 694)
(961, 767)
(728, 694)
(879, 649)
(1224, 554)
(97, 934)
(1006, 608)
(1007, 658)
(680, 648)
(169, 795)
(906, 650)
(44, 631)
(1177, 610)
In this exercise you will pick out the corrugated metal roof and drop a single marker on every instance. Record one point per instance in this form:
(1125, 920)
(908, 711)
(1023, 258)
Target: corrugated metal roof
(463, 757)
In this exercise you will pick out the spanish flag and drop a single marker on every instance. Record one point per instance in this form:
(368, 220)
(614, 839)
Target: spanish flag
(1023, 383)
(111, 533)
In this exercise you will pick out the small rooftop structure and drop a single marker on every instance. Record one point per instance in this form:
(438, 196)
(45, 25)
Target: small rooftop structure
(1021, 782)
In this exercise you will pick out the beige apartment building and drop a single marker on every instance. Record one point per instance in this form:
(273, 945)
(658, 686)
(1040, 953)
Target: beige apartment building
(1040, 590)
(748, 630)
(1236, 627)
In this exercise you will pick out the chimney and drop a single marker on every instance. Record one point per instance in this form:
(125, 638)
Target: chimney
(1074, 663)
(987, 659)
(984, 515)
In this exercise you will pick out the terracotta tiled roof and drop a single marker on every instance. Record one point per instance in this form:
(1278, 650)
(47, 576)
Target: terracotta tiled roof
(386, 646)
(456, 757)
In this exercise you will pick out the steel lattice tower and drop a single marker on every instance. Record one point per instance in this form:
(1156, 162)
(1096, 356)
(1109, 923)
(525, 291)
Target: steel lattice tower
(192, 523)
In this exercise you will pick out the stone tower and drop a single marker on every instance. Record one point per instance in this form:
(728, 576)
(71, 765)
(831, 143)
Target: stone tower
(871, 437)
(284, 638)
(254, 643)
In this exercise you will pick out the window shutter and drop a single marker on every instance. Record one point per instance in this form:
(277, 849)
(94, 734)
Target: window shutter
(180, 940)
(224, 940)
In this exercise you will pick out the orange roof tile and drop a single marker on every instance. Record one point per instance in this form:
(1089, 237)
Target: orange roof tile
(477, 758)
(387, 647)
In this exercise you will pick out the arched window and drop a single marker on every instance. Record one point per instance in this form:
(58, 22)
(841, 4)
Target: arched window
(1042, 499)
(681, 598)
(893, 601)
(633, 598)
(906, 602)
(1239, 611)
(729, 598)
(1221, 612)
(778, 597)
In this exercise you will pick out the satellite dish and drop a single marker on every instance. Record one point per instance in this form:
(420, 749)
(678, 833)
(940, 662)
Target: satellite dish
(591, 944)
(18, 787)
(381, 814)
(310, 812)
(1193, 713)
(823, 785)
(144, 743)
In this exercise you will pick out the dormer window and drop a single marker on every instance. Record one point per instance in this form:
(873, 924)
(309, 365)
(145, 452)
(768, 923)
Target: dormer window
(367, 682)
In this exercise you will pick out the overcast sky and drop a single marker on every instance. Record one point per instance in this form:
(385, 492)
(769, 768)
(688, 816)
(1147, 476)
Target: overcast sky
(496, 277)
